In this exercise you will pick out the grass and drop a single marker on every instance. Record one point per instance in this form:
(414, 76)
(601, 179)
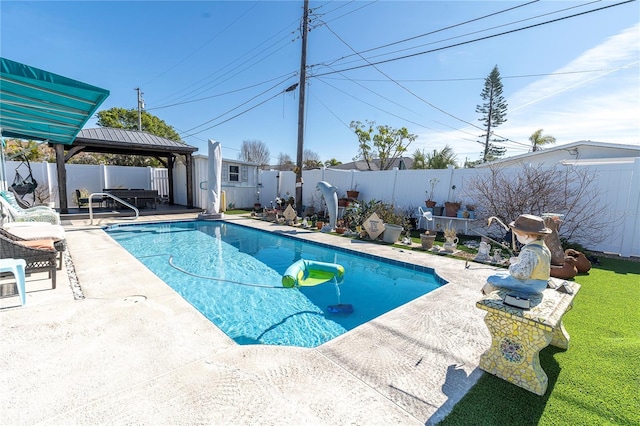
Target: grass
(595, 382)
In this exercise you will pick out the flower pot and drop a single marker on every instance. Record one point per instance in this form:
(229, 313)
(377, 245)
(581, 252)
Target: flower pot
(319, 224)
(391, 233)
(438, 210)
(353, 194)
(430, 204)
(341, 230)
(451, 209)
(427, 240)
(342, 202)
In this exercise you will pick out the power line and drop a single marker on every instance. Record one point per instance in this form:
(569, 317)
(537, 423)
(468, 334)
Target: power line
(368, 64)
(473, 32)
(203, 45)
(440, 80)
(224, 93)
(436, 31)
(235, 116)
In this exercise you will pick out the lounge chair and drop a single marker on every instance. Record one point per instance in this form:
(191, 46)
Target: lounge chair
(39, 255)
(10, 197)
(40, 231)
(39, 215)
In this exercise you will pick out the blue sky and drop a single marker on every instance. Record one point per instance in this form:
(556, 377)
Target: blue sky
(219, 69)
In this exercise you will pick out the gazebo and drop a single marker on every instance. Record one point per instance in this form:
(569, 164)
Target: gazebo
(39, 105)
(108, 140)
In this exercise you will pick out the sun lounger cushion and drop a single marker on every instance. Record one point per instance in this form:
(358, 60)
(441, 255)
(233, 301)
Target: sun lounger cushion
(35, 230)
(40, 244)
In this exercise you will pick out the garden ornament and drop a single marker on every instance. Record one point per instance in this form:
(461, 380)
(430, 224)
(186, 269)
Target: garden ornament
(483, 252)
(529, 272)
(330, 195)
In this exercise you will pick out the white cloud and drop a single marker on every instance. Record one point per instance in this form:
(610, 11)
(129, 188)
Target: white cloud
(602, 106)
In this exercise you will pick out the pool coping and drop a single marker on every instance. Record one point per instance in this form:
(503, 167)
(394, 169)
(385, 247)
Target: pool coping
(166, 363)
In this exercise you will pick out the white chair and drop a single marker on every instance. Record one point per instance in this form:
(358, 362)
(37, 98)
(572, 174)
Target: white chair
(424, 215)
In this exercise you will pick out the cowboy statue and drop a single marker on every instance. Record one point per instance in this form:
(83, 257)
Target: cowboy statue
(529, 272)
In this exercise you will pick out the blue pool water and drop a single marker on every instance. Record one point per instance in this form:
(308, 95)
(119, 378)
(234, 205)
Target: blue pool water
(233, 275)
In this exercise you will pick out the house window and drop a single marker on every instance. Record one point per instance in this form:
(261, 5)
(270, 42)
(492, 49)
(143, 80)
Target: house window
(234, 173)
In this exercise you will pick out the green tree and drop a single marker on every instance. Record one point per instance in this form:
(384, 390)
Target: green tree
(388, 143)
(537, 140)
(494, 112)
(254, 151)
(363, 132)
(332, 163)
(120, 118)
(441, 159)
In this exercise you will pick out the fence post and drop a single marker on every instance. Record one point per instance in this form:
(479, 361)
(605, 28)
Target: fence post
(631, 213)
(104, 176)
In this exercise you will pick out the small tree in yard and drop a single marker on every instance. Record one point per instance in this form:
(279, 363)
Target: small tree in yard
(388, 143)
(538, 190)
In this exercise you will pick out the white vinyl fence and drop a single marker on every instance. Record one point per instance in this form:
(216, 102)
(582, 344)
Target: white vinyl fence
(617, 182)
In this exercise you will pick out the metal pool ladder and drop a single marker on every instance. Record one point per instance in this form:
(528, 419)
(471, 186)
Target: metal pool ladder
(119, 200)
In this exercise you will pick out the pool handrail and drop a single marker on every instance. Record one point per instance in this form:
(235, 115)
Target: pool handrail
(106, 194)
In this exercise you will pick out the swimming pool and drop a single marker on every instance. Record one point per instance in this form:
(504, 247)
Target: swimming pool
(232, 274)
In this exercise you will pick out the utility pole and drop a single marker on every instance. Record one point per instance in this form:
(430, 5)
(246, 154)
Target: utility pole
(140, 107)
(302, 85)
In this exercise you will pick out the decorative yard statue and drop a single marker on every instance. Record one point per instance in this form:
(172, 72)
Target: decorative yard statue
(563, 265)
(331, 199)
(529, 272)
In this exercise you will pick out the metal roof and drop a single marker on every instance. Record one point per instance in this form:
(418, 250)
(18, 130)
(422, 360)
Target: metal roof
(36, 104)
(120, 141)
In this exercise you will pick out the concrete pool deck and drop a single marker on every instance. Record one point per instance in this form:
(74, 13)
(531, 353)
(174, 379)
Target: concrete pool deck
(133, 351)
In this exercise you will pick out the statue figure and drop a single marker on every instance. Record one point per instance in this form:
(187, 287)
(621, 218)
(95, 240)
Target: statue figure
(483, 252)
(529, 272)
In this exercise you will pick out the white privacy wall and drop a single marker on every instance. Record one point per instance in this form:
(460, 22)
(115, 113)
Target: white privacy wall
(617, 184)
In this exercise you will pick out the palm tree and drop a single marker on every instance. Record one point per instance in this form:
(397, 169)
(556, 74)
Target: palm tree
(332, 163)
(419, 161)
(441, 159)
(538, 140)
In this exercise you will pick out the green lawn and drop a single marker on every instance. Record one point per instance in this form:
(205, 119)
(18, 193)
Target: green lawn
(595, 382)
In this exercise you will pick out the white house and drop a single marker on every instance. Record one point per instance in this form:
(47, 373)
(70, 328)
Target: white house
(581, 150)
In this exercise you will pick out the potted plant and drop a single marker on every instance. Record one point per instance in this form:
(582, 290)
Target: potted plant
(429, 201)
(427, 239)
(451, 207)
(353, 193)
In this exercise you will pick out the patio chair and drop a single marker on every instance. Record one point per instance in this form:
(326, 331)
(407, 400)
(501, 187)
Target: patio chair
(85, 201)
(426, 215)
(39, 255)
(39, 215)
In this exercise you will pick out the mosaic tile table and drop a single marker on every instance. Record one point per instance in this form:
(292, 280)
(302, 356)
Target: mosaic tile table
(518, 335)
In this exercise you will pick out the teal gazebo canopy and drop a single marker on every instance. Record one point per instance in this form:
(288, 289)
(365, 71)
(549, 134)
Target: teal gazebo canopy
(39, 105)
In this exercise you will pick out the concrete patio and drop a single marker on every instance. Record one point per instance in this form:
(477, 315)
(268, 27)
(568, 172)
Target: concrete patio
(132, 351)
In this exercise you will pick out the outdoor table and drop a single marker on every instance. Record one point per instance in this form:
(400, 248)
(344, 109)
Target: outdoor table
(518, 335)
